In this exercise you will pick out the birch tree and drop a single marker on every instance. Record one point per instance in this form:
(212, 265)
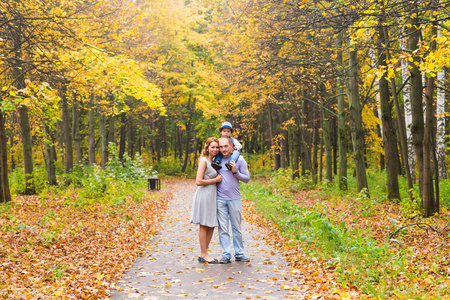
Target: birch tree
(440, 113)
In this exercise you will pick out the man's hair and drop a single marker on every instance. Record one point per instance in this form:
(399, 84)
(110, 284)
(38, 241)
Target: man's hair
(226, 139)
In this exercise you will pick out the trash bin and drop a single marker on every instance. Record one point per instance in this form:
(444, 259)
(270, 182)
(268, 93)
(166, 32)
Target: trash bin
(154, 184)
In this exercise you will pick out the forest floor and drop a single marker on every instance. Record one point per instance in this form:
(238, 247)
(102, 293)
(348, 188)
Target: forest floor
(51, 248)
(419, 246)
(424, 242)
(57, 247)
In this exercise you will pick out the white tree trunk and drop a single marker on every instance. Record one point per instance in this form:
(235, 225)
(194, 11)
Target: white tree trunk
(408, 116)
(374, 65)
(440, 111)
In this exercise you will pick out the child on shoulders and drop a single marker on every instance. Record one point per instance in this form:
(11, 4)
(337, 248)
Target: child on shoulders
(226, 130)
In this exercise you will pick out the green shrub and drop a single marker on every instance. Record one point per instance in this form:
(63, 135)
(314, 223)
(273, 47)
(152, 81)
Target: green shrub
(168, 165)
(17, 179)
(259, 164)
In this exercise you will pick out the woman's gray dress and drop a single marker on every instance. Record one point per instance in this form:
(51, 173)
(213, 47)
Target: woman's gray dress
(204, 204)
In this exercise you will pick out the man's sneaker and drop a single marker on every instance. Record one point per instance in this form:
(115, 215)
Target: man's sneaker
(228, 166)
(216, 166)
(224, 260)
(242, 259)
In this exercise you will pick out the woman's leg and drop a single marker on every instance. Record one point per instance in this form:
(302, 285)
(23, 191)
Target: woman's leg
(203, 239)
(209, 235)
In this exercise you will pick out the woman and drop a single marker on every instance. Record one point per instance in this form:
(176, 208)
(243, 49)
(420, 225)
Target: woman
(204, 205)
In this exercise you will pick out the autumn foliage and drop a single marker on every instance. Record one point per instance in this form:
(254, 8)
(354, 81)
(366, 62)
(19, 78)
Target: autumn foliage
(52, 248)
(334, 93)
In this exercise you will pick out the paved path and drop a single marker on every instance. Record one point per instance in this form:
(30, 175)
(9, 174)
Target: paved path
(170, 270)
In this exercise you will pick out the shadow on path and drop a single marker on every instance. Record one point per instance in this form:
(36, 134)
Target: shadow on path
(170, 270)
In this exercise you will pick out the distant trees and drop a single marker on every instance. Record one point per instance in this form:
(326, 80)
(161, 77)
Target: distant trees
(50, 66)
(310, 44)
(301, 81)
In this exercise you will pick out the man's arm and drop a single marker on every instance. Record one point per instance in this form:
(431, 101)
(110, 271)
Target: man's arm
(242, 173)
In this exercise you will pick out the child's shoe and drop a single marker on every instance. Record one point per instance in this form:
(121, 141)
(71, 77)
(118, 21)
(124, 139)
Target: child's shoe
(228, 166)
(216, 166)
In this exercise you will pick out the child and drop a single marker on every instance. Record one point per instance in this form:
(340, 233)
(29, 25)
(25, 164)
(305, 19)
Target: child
(226, 130)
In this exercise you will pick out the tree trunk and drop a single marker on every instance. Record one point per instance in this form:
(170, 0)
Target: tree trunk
(408, 115)
(194, 165)
(286, 146)
(380, 135)
(389, 134)
(295, 155)
(158, 145)
(400, 122)
(188, 145)
(417, 125)
(123, 135)
(19, 77)
(327, 135)
(357, 131)
(315, 146)
(66, 129)
(155, 143)
(180, 142)
(111, 130)
(103, 139)
(27, 146)
(428, 199)
(321, 155)
(274, 143)
(334, 144)
(306, 143)
(342, 130)
(91, 132)
(11, 145)
(282, 141)
(131, 137)
(440, 112)
(76, 129)
(164, 136)
(4, 182)
(187, 149)
(50, 156)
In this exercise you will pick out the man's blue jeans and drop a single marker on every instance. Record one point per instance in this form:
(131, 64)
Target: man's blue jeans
(229, 211)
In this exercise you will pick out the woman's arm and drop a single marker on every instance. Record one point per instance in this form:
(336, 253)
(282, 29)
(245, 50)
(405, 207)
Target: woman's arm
(199, 180)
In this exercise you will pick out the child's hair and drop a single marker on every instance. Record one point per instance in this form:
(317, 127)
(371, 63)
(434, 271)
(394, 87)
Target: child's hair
(207, 143)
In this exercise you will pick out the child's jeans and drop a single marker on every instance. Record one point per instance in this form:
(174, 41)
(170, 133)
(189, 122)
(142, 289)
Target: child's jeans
(234, 157)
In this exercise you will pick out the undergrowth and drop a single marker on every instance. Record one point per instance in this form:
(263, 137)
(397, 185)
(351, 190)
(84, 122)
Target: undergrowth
(91, 184)
(353, 252)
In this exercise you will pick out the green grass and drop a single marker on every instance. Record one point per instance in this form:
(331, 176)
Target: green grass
(358, 258)
(350, 252)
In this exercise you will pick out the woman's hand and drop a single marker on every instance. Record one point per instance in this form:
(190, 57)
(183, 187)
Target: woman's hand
(219, 178)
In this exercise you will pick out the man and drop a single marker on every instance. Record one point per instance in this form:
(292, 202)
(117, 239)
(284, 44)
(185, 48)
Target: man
(229, 204)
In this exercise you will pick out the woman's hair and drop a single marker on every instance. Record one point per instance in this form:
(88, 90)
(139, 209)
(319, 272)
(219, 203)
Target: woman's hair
(207, 143)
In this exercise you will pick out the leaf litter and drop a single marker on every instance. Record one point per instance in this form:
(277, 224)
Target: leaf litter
(50, 248)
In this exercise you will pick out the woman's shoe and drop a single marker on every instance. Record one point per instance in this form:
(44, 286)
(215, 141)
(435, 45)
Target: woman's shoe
(202, 260)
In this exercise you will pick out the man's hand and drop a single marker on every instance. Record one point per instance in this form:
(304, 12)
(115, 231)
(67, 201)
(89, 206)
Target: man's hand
(233, 166)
